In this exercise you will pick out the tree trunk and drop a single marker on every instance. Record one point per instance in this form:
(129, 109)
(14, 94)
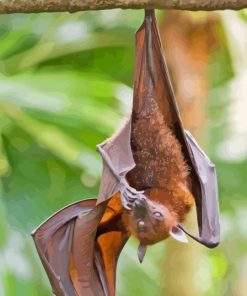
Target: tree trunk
(187, 42)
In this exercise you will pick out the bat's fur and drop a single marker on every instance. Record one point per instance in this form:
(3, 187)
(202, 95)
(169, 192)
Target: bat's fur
(161, 171)
(157, 154)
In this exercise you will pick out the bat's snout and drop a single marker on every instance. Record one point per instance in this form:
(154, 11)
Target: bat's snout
(140, 206)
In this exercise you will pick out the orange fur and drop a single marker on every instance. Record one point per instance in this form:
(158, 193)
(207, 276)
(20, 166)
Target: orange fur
(179, 200)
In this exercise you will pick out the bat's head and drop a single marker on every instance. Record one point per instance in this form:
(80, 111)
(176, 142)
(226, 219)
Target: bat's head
(151, 222)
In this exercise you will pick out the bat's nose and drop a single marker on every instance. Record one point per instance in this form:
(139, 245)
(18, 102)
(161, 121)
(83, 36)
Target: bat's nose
(140, 207)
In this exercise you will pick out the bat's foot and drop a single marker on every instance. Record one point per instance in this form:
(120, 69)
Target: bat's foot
(129, 194)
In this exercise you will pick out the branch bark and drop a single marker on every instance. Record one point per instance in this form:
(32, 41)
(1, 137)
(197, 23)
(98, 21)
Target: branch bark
(35, 6)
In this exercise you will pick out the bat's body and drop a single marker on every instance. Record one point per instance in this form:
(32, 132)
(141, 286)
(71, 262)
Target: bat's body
(157, 153)
(161, 171)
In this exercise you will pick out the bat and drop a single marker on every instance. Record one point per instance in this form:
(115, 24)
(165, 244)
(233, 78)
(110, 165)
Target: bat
(153, 173)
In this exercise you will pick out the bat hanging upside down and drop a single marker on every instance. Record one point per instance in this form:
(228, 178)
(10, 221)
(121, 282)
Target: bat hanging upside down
(161, 173)
(150, 167)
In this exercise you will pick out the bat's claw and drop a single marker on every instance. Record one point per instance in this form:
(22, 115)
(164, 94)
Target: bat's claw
(125, 202)
(129, 194)
(133, 190)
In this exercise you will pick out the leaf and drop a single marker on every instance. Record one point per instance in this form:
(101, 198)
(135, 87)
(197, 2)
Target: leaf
(54, 140)
(3, 223)
(72, 95)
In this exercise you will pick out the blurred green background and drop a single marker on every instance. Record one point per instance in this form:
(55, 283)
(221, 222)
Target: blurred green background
(65, 85)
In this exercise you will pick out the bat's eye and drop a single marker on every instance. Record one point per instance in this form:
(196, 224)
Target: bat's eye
(158, 215)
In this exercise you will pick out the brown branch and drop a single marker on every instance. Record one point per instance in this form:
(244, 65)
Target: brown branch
(27, 6)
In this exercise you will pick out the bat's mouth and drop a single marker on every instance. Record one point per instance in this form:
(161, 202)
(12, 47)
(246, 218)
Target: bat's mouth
(141, 228)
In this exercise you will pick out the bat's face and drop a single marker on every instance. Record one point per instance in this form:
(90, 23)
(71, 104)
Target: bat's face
(150, 221)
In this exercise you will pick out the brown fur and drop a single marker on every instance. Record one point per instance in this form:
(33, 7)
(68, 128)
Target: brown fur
(161, 171)
(157, 153)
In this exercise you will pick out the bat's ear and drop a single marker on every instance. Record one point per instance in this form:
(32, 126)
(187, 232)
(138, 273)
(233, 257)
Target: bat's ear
(178, 235)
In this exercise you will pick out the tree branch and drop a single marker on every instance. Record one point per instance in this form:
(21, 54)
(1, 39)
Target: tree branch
(27, 6)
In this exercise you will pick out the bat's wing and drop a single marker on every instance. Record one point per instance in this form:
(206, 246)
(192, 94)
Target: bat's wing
(207, 205)
(117, 162)
(155, 79)
(111, 238)
(79, 248)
